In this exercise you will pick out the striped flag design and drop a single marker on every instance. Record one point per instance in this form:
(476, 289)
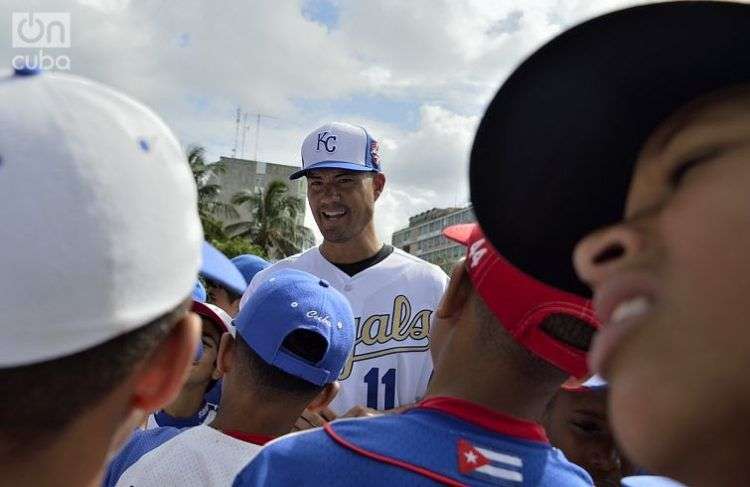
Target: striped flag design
(475, 461)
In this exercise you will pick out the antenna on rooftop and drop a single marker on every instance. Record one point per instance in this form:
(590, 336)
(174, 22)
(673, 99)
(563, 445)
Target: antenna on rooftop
(245, 128)
(236, 133)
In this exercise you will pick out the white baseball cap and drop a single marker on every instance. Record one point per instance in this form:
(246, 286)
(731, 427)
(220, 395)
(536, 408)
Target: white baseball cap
(100, 229)
(339, 146)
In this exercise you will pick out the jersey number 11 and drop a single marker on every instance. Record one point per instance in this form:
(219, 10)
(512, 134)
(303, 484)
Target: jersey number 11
(388, 380)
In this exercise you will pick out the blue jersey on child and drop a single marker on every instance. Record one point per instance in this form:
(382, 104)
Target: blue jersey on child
(138, 445)
(443, 440)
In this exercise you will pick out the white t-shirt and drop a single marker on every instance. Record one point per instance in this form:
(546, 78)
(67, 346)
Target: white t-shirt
(393, 303)
(199, 456)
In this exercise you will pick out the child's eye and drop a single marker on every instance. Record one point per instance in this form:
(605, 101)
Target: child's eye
(680, 171)
(588, 427)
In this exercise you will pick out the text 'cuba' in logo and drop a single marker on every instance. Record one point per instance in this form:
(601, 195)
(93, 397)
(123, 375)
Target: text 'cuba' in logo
(327, 141)
(315, 315)
(40, 31)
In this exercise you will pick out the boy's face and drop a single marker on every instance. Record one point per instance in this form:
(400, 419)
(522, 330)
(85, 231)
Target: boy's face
(202, 370)
(576, 423)
(222, 298)
(672, 285)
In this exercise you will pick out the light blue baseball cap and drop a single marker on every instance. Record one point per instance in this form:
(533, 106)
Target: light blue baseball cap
(249, 265)
(291, 300)
(339, 146)
(199, 292)
(218, 268)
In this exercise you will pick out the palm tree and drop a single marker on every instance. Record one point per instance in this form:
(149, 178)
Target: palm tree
(208, 205)
(273, 224)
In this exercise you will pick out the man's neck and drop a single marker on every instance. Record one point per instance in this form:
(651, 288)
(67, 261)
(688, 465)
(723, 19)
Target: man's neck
(358, 248)
(264, 418)
(188, 402)
(500, 389)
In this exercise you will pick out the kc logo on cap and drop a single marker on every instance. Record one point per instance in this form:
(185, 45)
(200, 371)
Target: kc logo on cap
(325, 138)
(339, 146)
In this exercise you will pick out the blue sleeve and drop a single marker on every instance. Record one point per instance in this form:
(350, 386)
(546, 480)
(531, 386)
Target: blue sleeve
(139, 444)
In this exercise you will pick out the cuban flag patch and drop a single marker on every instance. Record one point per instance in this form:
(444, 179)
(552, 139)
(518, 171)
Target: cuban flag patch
(488, 465)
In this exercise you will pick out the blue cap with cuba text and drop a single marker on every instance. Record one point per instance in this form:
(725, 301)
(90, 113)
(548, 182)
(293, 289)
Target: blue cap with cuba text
(291, 300)
(339, 146)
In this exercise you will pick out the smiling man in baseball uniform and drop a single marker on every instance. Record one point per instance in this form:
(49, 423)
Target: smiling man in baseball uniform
(393, 294)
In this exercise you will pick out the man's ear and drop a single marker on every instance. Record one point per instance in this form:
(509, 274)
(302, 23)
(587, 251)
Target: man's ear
(160, 377)
(324, 397)
(225, 357)
(378, 183)
(456, 296)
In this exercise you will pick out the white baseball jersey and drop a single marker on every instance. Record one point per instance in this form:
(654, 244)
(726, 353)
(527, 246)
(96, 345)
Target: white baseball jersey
(198, 456)
(393, 303)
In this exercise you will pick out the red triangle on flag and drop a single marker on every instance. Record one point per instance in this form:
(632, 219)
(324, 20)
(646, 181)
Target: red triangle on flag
(469, 458)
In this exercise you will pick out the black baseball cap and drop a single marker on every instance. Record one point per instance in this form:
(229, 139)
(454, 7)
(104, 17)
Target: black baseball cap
(554, 154)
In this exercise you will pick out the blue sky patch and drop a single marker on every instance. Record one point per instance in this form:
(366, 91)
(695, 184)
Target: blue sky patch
(401, 113)
(324, 12)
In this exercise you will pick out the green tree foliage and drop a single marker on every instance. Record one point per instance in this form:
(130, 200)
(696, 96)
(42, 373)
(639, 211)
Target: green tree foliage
(273, 225)
(210, 208)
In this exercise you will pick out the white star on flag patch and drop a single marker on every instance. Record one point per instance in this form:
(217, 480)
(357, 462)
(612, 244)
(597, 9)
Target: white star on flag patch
(487, 464)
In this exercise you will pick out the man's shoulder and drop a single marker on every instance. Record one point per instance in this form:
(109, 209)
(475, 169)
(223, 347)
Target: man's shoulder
(419, 267)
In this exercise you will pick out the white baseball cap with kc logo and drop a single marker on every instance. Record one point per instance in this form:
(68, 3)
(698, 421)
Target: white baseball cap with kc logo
(98, 208)
(339, 146)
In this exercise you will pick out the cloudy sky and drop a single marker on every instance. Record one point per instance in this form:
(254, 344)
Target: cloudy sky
(416, 73)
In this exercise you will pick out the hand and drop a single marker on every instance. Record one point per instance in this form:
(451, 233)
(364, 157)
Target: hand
(361, 412)
(313, 419)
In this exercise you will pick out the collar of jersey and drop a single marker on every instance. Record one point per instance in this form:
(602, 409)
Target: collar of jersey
(486, 418)
(248, 438)
(346, 277)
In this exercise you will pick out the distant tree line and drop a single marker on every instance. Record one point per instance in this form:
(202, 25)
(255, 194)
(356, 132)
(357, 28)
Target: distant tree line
(271, 231)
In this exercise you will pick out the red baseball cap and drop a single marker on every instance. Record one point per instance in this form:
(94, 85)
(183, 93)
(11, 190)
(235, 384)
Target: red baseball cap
(522, 303)
(215, 314)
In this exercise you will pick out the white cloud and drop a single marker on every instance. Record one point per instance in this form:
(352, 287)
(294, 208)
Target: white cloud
(197, 61)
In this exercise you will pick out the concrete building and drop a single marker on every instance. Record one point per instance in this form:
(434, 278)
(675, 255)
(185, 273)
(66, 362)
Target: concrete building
(423, 237)
(244, 174)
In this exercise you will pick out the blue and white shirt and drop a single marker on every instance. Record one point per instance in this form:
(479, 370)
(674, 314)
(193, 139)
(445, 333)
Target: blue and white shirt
(442, 440)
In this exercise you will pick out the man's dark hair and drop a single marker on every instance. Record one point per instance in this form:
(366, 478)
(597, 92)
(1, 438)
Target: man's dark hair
(494, 340)
(41, 399)
(270, 381)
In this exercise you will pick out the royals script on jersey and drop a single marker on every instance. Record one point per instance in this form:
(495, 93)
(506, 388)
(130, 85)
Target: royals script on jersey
(394, 302)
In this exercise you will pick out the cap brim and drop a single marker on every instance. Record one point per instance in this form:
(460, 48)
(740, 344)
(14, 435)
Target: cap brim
(553, 156)
(218, 268)
(349, 166)
(460, 233)
(205, 310)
